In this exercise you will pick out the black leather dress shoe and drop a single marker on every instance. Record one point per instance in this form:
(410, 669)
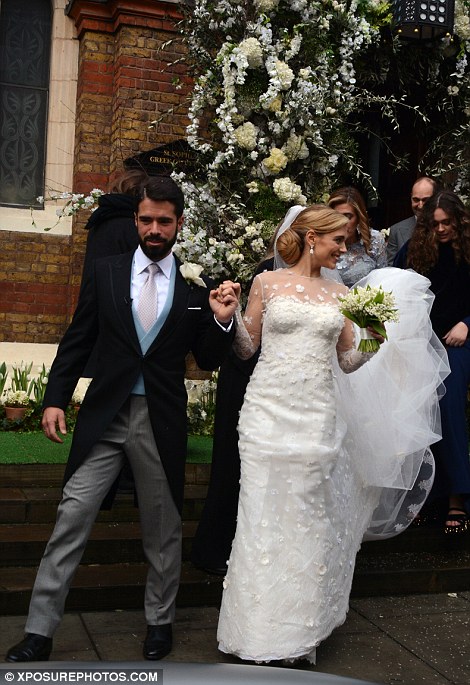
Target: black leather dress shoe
(158, 642)
(32, 648)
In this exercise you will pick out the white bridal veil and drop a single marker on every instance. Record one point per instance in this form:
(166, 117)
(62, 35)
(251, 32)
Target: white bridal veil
(388, 409)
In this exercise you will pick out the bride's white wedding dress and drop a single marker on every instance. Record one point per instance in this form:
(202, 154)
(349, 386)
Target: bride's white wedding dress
(304, 500)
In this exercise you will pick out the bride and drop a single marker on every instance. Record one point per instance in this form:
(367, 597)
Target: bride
(324, 458)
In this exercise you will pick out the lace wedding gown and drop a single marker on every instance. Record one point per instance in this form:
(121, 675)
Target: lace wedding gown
(304, 506)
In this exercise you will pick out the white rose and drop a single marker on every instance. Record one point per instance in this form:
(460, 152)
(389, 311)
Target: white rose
(191, 273)
(276, 161)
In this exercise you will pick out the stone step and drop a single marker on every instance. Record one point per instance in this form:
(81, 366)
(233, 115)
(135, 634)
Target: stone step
(39, 505)
(51, 475)
(422, 559)
(23, 544)
(105, 587)
(399, 573)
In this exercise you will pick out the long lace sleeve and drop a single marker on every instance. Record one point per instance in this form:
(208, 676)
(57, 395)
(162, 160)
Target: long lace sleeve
(349, 358)
(248, 331)
(379, 249)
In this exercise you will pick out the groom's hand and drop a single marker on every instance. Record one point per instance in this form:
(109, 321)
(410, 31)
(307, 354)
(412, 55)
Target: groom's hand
(224, 301)
(51, 418)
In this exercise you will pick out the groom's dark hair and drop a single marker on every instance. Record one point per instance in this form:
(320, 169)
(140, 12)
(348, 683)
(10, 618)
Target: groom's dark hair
(161, 189)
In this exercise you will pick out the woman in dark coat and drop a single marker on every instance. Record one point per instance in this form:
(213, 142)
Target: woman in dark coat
(111, 228)
(440, 250)
(216, 530)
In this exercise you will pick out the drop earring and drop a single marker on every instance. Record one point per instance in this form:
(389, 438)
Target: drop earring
(311, 248)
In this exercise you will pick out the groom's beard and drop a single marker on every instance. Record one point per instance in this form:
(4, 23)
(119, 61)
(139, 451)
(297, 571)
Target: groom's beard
(157, 252)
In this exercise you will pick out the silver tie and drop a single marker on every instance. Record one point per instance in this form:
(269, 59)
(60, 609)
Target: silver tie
(147, 308)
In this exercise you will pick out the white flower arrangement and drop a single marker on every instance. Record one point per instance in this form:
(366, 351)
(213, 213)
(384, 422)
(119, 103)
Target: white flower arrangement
(74, 202)
(369, 308)
(462, 20)
(77, 398)
(191, 273)
(16, 398)
(287, 89)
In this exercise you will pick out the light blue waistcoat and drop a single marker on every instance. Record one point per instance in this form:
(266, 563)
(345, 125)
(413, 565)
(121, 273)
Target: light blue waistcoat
(146, 339)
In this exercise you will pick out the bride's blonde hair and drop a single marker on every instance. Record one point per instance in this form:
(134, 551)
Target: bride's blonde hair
(319, 218)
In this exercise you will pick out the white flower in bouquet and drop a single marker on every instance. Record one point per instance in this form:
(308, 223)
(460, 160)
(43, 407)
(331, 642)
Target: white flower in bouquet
(191, 273)
(369, 308)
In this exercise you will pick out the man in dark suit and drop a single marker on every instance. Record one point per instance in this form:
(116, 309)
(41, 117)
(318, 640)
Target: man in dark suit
(402, 231)
(144, 317)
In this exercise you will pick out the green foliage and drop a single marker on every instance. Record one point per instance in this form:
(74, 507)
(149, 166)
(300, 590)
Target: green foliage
(39, 385)
(201, 406)
(20, 379)
(3, 377)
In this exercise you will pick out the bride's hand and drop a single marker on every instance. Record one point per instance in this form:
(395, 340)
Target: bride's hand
(376, 335)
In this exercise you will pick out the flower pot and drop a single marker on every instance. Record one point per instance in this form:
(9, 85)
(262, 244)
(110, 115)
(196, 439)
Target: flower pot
(15, 413)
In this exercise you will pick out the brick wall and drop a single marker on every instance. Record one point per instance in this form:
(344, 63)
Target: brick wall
(128, 77)
(34, 293)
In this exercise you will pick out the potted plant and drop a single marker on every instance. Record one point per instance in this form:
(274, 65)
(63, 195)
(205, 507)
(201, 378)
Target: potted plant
(16, 404)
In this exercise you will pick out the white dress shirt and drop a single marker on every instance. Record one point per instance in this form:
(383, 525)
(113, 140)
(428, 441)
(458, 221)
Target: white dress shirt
(139, 275)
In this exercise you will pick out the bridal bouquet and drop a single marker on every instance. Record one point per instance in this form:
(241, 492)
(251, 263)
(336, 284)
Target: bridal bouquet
(369, 307)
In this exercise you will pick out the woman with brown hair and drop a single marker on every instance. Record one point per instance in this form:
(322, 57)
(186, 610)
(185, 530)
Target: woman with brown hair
(366, 249)
(440, 250)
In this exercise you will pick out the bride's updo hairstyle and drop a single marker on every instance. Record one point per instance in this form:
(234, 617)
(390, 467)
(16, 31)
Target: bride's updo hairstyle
(290, 243)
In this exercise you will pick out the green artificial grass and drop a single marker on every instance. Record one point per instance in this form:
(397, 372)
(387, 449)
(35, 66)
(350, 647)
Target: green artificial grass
(34, 448)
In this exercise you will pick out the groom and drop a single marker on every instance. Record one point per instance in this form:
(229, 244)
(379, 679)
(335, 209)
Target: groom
(144, 317)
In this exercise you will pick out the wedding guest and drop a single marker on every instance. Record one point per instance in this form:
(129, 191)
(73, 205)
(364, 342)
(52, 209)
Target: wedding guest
(145, 316)
(315, 472)
(216, 529)
(440, 250)
(111, 227)
(365, 246)
(402, 231)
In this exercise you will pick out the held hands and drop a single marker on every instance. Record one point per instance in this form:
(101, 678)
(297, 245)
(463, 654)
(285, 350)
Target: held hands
(224, 301)
(51, 418)
(457, 335)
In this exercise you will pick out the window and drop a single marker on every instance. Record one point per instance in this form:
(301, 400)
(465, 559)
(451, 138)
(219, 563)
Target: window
(25, 42)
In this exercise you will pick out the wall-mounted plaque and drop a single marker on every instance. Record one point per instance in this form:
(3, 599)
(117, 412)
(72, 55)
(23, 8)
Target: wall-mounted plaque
(174, 156)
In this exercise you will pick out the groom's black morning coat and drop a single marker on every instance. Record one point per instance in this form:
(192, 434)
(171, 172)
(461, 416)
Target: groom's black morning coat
(104, 316)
